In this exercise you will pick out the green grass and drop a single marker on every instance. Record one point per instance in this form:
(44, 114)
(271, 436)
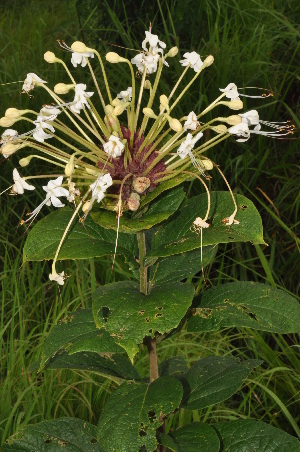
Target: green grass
(255, 43)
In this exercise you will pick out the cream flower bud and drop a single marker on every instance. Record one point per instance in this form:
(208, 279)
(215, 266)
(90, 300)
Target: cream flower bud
(8, 149)
(62, 88)
(220, 128)
(164, 101)
(86, 207)
(233, 120)
(236, 104)
(140, 184)
(113, 57)
(133, 202)
(26, 160)
(79, 47)
(172, 52)
(149, 113)
(206, 164)
(14, 113)
(208, 61)
(69, 168)
(175, 124)
(120, 108)
(6, 122)
(50, 57)
(147, 84)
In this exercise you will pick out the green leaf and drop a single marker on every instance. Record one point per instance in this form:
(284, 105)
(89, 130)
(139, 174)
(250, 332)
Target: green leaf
(173, 367)
(176, 236)
(248, 435)
(134, 412)
(214, 379)
(158, 211)
(67, 434)
(246, 304)
(176, 268)
(83, 241)
(115, 366)
(163, 186)
(129, 316)
(194, 437)
(78, 332)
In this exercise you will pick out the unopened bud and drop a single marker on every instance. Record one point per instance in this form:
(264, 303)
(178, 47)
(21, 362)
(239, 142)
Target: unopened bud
(206, 164)
(26, 160)
(208, 61)
(233, 120)
(86, 206)
(8, 149)
(140, 184)
(6, 122)
(62, 88)
(147, 84)
(149, 113)
(133, 202)
(120, 108)
(14, 113)
(113, 57)
(79, 47)
(69, 168)
(175, 124)
(164, 101)
(236, 104)
(220, 128)
(50, 57)
(172, 52)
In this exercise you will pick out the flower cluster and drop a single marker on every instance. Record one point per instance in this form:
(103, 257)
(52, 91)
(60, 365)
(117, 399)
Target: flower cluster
(118, 153)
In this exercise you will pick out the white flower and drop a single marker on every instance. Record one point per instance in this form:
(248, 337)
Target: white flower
(80, 99)
(20, 184)
(251, 118)
(99, 187)
(150, 58)
(49, 112)
(191, 123)
(231, 91)
(198, 224)
(114, 147)
(192, 58)
(72, 191)
(53, 191)
(58, 277)
(81, 58)
(125, 96)
(38, 133)
(8, 135)
(30, 82)
(241, 130)
(186, 147)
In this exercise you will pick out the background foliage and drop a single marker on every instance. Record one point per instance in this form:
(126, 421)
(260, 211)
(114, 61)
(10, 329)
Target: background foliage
(255, 43)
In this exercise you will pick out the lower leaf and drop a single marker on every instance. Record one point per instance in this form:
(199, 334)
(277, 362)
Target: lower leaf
(194, 437)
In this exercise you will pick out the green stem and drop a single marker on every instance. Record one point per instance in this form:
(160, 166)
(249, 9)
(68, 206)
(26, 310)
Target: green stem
(151, 342)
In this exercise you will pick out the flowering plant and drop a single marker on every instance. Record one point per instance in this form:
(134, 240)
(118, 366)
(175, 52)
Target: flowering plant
(120, 162)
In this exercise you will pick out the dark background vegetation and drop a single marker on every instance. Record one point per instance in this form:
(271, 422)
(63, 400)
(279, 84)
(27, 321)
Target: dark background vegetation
(254, 43)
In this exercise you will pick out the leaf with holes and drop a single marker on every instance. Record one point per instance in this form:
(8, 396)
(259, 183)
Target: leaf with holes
(159, 210)
(194, 437)
(248, 435)
(214, 379)
(83, 240)
(78, 332)
(176, 236)
(115, 366)
(246, 304)
(181, 266)
(67, 434)
(129, 316)
(134, 412)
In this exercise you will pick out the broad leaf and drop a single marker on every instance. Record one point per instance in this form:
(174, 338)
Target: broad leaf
(176, 236)
(116, 366)
(194, 437)
(173, 367)
(163, 186)
(246, 304)
(129, 316)
(214, 379)
(134, 412)
(67, 434)
(158, 211)
(78, 332)
(248, 435)
(177, 268)
(83, 241)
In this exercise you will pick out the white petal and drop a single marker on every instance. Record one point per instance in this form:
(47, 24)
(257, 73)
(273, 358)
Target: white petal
(56, 202)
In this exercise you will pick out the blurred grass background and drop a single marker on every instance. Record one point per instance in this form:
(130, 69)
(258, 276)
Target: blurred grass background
(255, 43)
